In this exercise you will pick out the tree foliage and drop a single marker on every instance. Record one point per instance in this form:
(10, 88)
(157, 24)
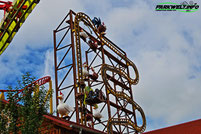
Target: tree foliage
(24, 111)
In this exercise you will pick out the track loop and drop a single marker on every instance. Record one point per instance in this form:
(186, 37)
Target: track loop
(87, 21)
(114, 121)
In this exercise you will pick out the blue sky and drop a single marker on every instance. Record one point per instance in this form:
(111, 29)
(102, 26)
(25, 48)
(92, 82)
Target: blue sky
(165, 46)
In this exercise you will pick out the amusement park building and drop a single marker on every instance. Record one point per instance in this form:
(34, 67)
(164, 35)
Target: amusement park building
(192, 127)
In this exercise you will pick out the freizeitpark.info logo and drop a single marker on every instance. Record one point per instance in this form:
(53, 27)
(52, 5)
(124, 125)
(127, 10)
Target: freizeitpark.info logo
(187, 7)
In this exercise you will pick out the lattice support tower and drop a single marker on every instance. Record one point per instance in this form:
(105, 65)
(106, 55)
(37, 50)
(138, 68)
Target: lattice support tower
(114, 77)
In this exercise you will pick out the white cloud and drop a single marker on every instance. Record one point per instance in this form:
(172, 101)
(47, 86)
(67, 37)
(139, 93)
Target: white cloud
(169, 87)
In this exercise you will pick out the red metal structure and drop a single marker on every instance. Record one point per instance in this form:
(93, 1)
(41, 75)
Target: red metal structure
(35, 84)
(113, 69)
(7, 5)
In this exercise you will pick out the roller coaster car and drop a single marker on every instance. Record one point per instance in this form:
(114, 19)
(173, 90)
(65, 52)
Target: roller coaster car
(80, 95)
(95, 97)
(94, 76)
(102, 28)
(93, 45)
(81, 84)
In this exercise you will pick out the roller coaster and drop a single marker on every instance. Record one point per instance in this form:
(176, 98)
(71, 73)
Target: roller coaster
(109, 61)
(13, 19)
(36, 84)
(121, 113)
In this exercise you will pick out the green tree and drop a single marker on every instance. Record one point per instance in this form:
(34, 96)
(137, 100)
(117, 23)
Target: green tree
(25, 110)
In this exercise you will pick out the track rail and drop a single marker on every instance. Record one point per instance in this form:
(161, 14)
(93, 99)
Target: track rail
(14, 20)
(38, 83)
(112, 121)
(121, 95)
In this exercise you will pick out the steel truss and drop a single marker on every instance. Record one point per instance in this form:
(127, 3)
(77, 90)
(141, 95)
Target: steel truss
(119, 109)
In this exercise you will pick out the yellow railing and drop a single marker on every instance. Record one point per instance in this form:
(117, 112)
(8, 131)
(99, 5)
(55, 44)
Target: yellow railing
(13, 21)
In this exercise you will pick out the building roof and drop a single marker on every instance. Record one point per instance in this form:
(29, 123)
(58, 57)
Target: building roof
(192, 127)
(71, 126)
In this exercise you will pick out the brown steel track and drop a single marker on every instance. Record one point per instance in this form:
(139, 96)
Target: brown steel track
(110, 63)
(122, 95)
(87, 21)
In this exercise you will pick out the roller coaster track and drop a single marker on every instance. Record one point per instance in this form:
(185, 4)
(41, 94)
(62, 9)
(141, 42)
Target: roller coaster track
(121, 95)
(112, 121)
(39, 82)
(14, 20)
